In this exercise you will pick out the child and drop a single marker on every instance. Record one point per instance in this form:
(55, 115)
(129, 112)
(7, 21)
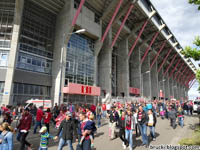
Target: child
(44, 138)
(90, 125)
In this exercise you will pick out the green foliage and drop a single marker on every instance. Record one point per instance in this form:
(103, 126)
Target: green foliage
(194, 53)
(196, 2)
(194, 140)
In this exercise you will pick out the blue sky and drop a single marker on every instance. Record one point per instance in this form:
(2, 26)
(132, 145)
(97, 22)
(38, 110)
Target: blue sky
(183, 19)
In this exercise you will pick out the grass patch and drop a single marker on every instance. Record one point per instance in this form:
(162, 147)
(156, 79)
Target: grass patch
(194, 140)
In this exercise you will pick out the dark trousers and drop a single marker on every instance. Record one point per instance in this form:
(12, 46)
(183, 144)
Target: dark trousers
(23, 141)
(122, 136)
(86, 145)
(47, 125)
(173, 122)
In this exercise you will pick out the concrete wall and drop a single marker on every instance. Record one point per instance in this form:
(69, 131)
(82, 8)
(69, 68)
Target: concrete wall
(63, 28)
(135, 69)
(123, 69)
(8, 88)
(154, 81)
(146, 78)
(105, 64)
(32, 78)
(3, 74)
(86, 20)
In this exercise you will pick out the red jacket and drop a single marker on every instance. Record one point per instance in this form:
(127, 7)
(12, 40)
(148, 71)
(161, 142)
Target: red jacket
(25, 122)
(39, 115)
(47, 117)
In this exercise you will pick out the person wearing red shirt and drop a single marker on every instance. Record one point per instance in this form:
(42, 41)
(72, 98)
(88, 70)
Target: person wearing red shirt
(93, 110)
(39, 118)
(24, 127)
(47, 118)
(103, 110)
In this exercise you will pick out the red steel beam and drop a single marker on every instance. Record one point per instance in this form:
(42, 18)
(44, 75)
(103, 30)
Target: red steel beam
(181, 66)
(111, 21)
(122, 25)
(181, 73)
(175, 67)
(148, 48)
(164, 60)
(185, 77)
(156, 57)
(188, 81)
(188, 77)
(138, 37)
(192, 84)
(170, 64)
(77, 13)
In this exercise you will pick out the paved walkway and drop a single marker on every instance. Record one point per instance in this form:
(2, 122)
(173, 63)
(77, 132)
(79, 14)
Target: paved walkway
(165, 135)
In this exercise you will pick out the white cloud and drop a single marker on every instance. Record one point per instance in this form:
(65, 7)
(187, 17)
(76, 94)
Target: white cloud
(183, 19)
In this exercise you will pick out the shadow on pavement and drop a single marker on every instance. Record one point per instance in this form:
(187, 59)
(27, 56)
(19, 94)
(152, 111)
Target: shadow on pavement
(151, 139)
(99, 134)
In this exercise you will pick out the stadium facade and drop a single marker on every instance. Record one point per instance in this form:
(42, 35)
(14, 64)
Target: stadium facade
(127, 51)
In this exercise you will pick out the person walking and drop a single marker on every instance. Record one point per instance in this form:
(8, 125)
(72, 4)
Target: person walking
(86, 144)
(39, 117)
(142, 121)
(98, 113)
(6, 137)
(47, 118)
(113, 116)
(151, 123)
(172, 117)
(129, 128)
(24, 127)
(67, 128)
(137, 129)
(180, 115)
(103, 110)
(121, 125)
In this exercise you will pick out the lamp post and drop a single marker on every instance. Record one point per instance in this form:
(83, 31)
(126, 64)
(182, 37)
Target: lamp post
(62, 53)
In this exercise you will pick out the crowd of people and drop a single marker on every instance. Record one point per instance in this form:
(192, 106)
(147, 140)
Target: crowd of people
(79, 123)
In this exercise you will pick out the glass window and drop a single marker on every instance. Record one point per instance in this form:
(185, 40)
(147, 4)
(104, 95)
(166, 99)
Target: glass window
(34, 62)
(29, 60)
(23, 59)
(37, 90)
(26, 89)
(32, 89)
(20, 89)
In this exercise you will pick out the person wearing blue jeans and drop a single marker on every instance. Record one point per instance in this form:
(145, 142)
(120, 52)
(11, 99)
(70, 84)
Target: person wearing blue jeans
(180, 115)
(142, 121)
(151, 123)
(67, 129)
(98, 113)
(38, 123)
(63, 142)
(129, 128)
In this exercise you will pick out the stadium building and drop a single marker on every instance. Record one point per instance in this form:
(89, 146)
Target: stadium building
(127, 50)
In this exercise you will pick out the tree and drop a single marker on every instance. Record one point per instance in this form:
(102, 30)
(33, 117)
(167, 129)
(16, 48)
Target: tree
(196, 2)
(194, 53)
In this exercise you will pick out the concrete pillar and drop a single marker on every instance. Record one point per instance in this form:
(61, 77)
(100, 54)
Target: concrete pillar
(146, 78)
(166, 85)
(154, 81)
(97, 48)
(135, 69)
(161, 81)
(123, 69)
(171, 88)
(175, 89)
(63, 28)
(8, 88)
(105, 64)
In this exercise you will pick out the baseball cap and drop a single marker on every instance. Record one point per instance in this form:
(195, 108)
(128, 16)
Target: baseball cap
(43, 129)
(68, 114)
